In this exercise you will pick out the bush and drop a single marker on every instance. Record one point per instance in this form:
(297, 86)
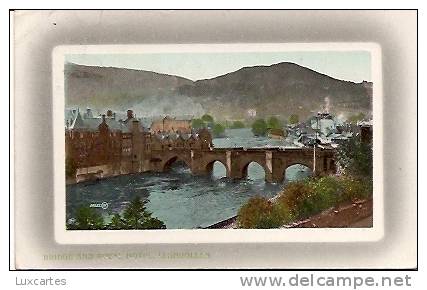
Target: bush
(302, 199)
(259, 127)
(198, 124)
(306, 198)
(293, 119)
(252, 212)
(87, 218)
(326, 191)
(218, 130)
(237, 125)
(207, 118)
(355, 189)
(355, 157)
(274, 123)
(295, 197)
(277, 217)
(260, 213)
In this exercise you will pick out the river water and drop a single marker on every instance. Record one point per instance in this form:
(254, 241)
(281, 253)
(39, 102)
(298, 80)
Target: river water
(181, 200)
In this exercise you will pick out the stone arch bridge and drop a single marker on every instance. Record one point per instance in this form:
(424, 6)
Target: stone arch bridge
(275, 161)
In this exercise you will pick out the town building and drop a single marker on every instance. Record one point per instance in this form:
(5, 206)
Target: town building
(171, 125)
(322, 128)
(366, 132)
(103, 146)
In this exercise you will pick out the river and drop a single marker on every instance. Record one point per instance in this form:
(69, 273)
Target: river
(181, 200)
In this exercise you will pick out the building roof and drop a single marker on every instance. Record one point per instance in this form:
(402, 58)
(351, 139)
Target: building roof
(88, 114)
(177, 118)
(92, 124)
(364, 123)
(70, 114)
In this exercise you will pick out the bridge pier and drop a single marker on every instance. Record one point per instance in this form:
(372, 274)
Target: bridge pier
(278, 171)
(197, 167)
(236, 161)
(233, 163)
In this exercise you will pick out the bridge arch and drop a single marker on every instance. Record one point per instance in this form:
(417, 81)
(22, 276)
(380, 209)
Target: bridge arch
(168, 162)
(297, 171)
(244, 171)
(210, 168)
(301, 162)
(210, 164)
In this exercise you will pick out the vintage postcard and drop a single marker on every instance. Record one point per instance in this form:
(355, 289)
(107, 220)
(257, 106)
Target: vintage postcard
(218, 143)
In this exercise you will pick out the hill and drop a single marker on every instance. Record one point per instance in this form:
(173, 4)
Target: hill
(279, 89)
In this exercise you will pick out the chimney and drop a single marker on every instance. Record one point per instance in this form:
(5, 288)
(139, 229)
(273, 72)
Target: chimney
(130, 114)
(135, 126)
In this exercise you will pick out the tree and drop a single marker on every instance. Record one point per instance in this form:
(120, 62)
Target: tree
(259, 127)
(135, 213)
(117, 223)
(218, 130)
(294, 119)
(88, 218)
(274, 123)
(154, 223)
(355, 157)
(207, 118)
(198, 124)
(237, 125)
(136, 216)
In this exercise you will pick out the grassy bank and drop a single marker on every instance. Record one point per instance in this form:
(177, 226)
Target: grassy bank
(302, 199)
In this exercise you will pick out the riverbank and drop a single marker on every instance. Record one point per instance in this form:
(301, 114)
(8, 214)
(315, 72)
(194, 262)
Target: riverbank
(356, 214)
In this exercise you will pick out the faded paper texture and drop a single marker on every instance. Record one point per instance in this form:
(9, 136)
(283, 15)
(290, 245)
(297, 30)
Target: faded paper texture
(207, 254)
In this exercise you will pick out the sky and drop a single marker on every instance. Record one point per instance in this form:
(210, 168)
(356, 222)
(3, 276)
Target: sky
(345, 65)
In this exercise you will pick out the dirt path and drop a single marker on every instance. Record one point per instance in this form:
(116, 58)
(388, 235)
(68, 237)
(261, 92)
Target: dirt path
(355, 215)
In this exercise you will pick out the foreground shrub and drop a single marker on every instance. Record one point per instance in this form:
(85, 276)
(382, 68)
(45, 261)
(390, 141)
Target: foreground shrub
(302, 199)
(297, 198)
(355, 157)
(134, 217)
(306, 198)
(352, 188)
(260, 213)
(326, 191)
(86, 219)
